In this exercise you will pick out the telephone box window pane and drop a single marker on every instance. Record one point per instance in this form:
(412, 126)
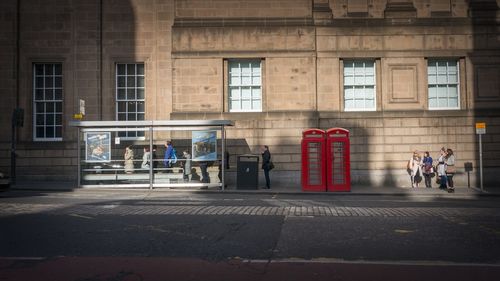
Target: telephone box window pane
(314, 163)
(338, 164)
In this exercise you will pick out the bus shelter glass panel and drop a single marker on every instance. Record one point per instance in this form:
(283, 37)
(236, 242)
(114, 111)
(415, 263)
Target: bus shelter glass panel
(107, 159)
(188, 158)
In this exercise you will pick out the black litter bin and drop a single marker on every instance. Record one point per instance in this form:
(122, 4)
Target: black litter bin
(247, 176)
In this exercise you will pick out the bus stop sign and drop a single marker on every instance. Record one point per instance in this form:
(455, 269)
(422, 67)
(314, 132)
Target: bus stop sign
(480, 128)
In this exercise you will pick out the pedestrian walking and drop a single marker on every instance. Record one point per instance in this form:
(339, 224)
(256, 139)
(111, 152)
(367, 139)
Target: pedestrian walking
(450, 169)
(428, 170)
(170, 157)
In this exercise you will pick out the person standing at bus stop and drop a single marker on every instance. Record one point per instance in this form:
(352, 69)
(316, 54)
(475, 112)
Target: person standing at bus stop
(266, 164)
(167, 160)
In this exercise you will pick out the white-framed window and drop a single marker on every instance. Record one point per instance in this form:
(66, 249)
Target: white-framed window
(245, 85)
(359, 85)
(47, 101)
(130, 95)
(443, 84)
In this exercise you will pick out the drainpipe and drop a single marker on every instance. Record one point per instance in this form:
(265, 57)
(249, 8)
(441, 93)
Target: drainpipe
(16, 111)
(100, 58)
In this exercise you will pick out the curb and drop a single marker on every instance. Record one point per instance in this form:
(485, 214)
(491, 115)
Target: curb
(404, 193)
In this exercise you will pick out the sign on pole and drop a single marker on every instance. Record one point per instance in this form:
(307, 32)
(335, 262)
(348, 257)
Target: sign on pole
(82, 107)
(481, 130)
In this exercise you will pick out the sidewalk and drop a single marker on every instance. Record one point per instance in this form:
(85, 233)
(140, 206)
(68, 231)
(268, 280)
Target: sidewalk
(280, 189)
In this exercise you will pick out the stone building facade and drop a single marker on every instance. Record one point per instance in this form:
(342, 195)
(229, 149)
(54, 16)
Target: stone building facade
(401, 75)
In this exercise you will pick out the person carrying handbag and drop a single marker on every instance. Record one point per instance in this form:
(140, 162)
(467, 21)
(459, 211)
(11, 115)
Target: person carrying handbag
(415, 167)
(441, 169)
(428, 170)
(266, 164)
(450, 169)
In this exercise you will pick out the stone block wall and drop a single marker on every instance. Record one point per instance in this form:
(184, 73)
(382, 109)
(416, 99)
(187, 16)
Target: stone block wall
(302, 43)
(242, 9)
(7, 74)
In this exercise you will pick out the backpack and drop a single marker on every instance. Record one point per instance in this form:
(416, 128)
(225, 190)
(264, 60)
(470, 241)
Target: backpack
(173, 160)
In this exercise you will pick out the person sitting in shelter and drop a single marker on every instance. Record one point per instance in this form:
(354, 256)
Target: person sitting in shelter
(129, 160)
(146, 158)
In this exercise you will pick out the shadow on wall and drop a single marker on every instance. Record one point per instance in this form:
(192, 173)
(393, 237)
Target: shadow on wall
(485, 58)
(93, 36)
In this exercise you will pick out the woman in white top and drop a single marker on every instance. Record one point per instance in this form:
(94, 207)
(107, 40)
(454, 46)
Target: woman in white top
(441, 168)
(415, 167)
(450, 169)
(129, 160)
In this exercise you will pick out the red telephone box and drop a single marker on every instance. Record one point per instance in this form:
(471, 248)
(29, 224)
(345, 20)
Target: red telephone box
(338, 163)
(313, 160)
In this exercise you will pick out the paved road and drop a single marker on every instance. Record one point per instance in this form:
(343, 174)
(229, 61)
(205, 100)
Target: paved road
(135, 235)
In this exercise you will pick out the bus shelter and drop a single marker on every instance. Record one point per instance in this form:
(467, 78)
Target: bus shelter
(132, 153)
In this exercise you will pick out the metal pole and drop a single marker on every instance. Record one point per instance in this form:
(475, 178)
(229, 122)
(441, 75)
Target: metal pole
(223, 164)
(151, 163)
(78, 155)
(13, 150)
(481, 162)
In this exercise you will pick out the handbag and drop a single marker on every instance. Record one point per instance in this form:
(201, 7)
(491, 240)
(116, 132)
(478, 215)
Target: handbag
(450, 169)
(271, 165)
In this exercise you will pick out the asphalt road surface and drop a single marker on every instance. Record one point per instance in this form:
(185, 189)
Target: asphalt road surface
(158, 235)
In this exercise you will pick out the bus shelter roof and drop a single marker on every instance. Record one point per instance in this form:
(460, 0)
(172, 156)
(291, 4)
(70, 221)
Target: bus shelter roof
(152, 123)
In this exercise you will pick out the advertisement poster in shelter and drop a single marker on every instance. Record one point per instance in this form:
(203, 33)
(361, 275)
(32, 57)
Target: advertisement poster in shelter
(204, 145)
(97, 147)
